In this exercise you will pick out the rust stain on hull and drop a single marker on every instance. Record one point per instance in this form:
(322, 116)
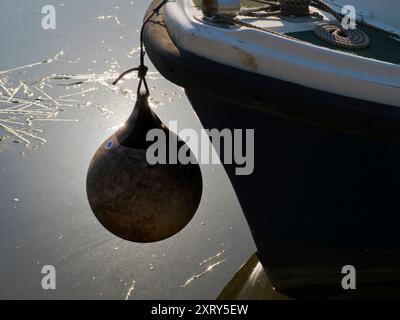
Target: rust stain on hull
(247, 59)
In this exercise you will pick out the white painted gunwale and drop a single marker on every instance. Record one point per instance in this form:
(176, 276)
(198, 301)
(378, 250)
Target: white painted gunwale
(282, 58)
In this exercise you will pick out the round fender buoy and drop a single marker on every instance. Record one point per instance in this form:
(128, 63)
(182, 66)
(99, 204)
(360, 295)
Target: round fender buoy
(133, 199)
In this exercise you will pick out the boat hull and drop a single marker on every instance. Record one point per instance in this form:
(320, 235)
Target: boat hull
(318, 199)
(260, 92)
(324, 191)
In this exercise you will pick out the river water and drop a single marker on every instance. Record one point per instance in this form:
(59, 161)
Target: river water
(56, 107)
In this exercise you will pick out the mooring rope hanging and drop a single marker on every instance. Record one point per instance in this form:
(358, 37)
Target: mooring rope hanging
(142, 68)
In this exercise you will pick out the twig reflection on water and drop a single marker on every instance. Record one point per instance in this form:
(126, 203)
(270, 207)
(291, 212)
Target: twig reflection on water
(130, 290)
(208, 269)
(22, 104)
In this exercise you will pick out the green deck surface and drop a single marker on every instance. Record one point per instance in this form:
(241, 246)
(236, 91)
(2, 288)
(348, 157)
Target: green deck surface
(381, 48)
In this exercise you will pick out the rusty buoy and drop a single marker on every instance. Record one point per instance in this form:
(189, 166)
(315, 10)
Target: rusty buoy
(132, 199)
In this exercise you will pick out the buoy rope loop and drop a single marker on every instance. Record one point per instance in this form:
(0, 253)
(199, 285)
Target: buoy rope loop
(142, 69)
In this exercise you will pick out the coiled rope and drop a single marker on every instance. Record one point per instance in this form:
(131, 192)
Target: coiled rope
(333, 33)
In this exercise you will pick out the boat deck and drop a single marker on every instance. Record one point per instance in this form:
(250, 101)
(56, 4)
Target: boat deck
(382, 47)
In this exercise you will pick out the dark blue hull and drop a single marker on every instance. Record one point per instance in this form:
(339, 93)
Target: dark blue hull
(318, 199)
(325, 190)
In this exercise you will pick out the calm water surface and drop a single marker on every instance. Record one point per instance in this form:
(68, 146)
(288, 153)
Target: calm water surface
(56, 107)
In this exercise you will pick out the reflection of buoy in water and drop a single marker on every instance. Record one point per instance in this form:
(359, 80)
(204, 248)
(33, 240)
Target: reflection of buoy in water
(132, 199)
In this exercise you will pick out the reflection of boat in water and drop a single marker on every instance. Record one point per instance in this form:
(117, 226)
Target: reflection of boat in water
(251, 282)
(326, 118)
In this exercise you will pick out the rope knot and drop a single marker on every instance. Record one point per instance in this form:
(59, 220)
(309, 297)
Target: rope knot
(142, 71)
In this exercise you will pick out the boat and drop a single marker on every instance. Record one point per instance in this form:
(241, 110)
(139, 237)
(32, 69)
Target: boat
(324, 102)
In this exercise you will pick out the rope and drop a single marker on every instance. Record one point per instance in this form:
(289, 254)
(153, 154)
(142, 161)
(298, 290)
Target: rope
(283, 8)
(229, 20)
(142, 68)
(262, 12)
(352, 39)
